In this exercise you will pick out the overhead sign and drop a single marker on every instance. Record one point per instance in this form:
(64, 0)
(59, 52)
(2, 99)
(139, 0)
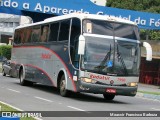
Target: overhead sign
(59, 7)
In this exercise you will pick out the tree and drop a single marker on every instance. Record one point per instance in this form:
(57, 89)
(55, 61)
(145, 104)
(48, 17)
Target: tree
(139, 5)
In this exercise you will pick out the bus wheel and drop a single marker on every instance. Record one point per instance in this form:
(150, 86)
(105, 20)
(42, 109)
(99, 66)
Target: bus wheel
(63, 91)
(3, 73)
(108, 97)
(23, 82)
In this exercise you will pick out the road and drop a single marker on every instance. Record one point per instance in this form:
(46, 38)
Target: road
(42, 98)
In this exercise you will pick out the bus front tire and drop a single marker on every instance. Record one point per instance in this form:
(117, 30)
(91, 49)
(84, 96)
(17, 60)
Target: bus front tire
(108, 97)
(63, 91)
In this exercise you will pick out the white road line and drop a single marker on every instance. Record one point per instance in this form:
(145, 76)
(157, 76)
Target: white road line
(43, 99)
(75, 108)
(155, 109)
(11, 106)
(14, 90)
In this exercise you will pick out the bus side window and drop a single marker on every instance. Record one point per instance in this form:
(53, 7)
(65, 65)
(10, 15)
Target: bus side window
(54, 28)
(17, 37)
(75, 32)
(28, 35)
(36, 34)
(75, 29)
(64, 30)
(22, 36)
(44, 33)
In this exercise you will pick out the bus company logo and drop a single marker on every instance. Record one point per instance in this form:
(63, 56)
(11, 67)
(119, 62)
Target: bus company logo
(100, 77)
(46, 56)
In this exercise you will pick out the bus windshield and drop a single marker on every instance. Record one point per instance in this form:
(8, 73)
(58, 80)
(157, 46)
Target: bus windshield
(111, 51)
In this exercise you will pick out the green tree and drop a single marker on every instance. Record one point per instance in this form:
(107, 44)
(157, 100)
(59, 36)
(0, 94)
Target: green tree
(5, 50)
(140, 5)
(152, 6)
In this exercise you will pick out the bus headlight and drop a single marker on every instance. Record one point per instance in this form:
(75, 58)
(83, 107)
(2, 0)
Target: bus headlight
(132, 84)
(88, 80)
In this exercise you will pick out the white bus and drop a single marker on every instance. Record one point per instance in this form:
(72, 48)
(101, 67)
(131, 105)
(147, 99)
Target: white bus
(80, 53)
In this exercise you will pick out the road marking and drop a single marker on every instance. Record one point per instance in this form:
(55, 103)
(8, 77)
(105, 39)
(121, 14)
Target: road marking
(155, 109)
(43, 99)
(14, 90)
(11, 106)
(75, 108)
(60, 103)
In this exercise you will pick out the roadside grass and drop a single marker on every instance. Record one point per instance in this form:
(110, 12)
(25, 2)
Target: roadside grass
(10, 109)
(146, 92)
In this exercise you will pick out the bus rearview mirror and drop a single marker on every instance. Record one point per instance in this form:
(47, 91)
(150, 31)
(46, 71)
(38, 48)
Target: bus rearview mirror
(148, 51)
(81, 45)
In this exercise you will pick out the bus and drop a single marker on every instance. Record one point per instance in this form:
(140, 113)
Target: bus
(80, 53)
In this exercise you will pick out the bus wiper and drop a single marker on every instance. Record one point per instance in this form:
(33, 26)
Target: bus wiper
(122, 61)
(107, 57)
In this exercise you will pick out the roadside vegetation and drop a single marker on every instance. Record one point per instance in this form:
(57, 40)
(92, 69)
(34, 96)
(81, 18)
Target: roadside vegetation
(152, 6)
(147, 92)
(5, 51)
(10, 109)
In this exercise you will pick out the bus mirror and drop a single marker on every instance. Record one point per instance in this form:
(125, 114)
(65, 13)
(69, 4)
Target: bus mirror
(148, 51)
(81, 45)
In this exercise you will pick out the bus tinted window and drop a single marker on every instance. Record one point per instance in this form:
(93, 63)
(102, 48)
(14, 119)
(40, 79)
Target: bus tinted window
(109, 28)
(75, 29)
(64, 30)
(126, 31)
(17, 37)
(22, 36)
(28, 32)
(75, 32)
(36, 33)
(44, 33)
(54, 28)
(98, 27)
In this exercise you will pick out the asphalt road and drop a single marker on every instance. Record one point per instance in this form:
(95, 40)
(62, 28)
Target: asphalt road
(42, 98)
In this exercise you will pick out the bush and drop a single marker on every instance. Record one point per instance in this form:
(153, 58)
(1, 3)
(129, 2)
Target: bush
(5, 50)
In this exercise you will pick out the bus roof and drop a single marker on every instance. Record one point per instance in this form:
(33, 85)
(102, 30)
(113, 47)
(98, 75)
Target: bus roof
(80, 16)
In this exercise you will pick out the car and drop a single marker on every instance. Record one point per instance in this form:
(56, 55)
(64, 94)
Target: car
(2, 58)
(6, 68)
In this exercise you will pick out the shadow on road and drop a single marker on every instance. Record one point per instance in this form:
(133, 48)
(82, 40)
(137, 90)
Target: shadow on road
(76, 96)
(92, 98)
(86, 97)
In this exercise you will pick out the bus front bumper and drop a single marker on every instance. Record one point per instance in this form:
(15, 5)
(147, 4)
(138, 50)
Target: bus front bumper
(106, 89)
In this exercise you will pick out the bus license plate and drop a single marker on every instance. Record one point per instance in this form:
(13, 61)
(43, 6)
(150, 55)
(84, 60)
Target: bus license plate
(110, 90)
